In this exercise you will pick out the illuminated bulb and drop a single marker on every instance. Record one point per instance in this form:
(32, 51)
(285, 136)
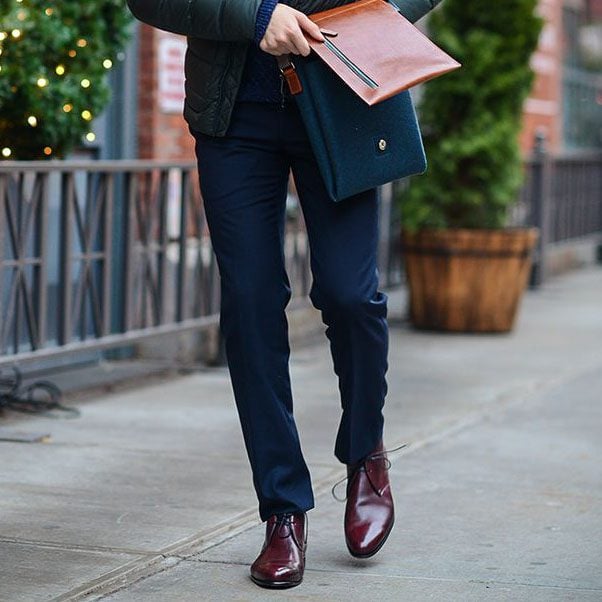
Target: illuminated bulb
(48, 12)
(67, 107)
(87, 115)
(107, 63)
(6, 152)
(32, 121)
(15, 33)
(60, 69)
(72, 53)
(2, 35)
(21, 15)
(47, 150)
(81, 42)
(42, 81)
(90, 136)
(85, 83)
(0, 67)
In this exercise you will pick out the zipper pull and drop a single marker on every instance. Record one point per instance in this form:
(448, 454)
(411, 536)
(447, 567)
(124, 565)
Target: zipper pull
(281, 90)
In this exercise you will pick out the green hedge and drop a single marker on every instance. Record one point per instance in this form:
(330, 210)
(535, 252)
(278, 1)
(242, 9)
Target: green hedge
(471, 118)
(53, 78)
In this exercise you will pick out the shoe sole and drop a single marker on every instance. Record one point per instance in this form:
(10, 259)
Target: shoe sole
(376, 550)
(275, 584)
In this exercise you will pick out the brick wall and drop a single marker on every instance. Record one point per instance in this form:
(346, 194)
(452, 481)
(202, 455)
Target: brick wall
(162, 134)
(543, 107)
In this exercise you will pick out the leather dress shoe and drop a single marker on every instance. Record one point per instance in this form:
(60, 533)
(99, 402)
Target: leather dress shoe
(282, 559)
(369, 512)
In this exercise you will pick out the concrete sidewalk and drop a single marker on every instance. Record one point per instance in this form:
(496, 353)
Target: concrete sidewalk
(148, 497)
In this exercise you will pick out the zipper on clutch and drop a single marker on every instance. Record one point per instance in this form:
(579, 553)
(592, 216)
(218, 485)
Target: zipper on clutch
(345, 59)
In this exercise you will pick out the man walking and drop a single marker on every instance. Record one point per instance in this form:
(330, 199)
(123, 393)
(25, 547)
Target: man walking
(248, 137)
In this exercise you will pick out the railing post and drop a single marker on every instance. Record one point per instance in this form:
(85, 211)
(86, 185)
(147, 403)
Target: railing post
(539, 206)
(66, 259)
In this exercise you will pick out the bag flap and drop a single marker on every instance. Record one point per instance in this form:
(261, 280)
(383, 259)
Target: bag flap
(376, 51)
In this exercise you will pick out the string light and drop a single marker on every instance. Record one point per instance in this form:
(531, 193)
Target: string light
(51, 79)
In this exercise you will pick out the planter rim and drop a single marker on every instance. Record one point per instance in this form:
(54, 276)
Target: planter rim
(508, 229)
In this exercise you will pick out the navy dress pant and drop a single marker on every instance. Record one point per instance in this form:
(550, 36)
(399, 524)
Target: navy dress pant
(244, 178)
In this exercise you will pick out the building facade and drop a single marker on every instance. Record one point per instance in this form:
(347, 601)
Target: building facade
(565, 104)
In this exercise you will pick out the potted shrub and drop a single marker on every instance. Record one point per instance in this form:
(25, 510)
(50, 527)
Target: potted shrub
(466, 270)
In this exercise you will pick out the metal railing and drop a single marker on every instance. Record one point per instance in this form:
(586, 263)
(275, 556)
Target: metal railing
(562, 196)
(102, 254)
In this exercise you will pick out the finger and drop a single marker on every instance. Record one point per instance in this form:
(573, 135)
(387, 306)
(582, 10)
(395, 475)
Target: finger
(309, 27)
(298, 41)
(272, 46)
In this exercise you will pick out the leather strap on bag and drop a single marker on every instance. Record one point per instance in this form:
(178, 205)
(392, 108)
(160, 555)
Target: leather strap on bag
(288, 71)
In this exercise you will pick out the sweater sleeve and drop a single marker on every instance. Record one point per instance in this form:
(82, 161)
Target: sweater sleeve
(264, 14)
(410, 9)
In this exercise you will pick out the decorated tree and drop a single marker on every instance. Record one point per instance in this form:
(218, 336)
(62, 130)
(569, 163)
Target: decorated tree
(471, 118)
(54, 59)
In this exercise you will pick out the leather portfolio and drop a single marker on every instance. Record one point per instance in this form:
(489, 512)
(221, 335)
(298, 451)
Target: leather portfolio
(376, 51)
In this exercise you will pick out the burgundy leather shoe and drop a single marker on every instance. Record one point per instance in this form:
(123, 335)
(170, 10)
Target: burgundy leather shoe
(282, 559)
(369, 512)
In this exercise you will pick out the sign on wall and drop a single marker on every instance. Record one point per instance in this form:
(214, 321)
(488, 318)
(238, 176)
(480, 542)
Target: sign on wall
(171, 74)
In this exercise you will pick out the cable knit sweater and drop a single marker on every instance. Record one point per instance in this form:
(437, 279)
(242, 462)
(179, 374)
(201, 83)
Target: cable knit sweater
(261, 78)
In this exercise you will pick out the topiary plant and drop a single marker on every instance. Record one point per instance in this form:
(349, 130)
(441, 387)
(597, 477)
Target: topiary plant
(471, 117)
(54, 58)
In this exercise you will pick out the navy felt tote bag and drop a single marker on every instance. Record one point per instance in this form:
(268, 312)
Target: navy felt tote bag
(357, 146)
(353, 93)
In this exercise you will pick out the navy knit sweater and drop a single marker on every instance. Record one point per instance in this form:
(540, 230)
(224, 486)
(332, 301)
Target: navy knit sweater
(261, 77)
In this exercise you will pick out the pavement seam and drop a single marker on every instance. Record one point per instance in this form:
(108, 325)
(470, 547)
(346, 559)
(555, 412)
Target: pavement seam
(117, 579)
(54, 545)
(138, 570)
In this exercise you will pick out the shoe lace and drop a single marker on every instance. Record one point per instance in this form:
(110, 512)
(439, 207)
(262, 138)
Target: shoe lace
(284, 520)
(361, 466)
(284, 527)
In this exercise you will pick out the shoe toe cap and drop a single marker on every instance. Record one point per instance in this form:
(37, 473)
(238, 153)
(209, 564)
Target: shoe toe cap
(276, 572)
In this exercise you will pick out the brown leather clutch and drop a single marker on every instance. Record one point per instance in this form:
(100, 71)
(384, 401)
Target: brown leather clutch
(376, 51)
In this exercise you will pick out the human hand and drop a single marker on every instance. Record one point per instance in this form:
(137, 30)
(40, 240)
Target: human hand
(285, 31)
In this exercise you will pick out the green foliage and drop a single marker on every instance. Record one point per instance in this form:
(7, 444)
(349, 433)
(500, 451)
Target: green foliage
(40, 37)
(471, 117)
